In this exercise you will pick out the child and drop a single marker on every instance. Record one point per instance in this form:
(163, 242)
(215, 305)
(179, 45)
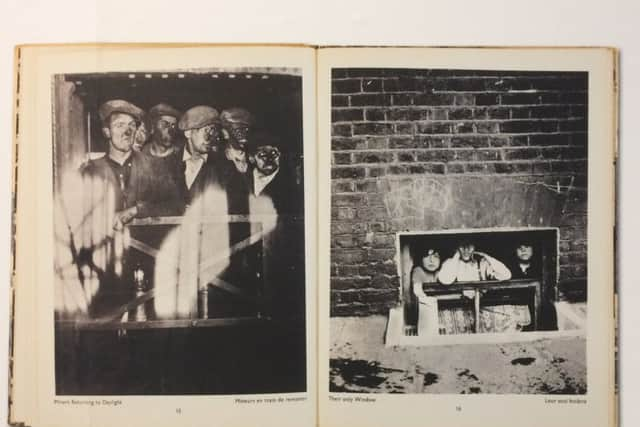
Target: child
(426, 272)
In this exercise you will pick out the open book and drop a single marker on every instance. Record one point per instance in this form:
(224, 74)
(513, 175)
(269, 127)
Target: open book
(298, 235)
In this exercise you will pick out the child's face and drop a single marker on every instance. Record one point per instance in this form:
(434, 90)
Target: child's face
(431, 261)
(524, 252)
(466, 251)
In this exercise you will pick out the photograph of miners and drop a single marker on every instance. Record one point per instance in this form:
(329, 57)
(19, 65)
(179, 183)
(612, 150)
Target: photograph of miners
(180, 232)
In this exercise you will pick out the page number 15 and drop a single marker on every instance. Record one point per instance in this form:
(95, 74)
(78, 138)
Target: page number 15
(458, 408)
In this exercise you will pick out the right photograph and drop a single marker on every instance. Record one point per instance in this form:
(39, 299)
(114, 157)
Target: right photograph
(458, 231)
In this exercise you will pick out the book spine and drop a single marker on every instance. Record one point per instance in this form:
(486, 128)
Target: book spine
(14, 201)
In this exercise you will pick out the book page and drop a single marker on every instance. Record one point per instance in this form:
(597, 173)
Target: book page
(165, 236)
(466, 215)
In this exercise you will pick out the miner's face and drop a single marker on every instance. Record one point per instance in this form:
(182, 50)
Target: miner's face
(431, 261)
(164, 130)
(466, 251)
(239, 133)
(267, 159)
(121, 130)
(140, 137)
(524, 252)
(201, 140)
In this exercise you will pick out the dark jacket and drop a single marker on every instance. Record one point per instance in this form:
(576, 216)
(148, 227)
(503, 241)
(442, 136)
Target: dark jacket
(149, 185)
(237, 186)
(533, 272)
(208, 177)
(287, 196)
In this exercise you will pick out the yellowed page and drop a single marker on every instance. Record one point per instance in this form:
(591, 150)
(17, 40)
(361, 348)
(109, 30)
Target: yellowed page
(34, 392)
(376, 126)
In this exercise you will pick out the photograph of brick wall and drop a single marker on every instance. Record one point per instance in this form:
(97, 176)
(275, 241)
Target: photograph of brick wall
(438, 149)
(489, 159)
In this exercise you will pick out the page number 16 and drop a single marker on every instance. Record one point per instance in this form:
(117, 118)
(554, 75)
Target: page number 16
(458, 408)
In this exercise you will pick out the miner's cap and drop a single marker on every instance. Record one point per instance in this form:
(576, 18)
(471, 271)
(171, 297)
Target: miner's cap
(119, 106)
(198, 116)
(237, 116)
(163, 109)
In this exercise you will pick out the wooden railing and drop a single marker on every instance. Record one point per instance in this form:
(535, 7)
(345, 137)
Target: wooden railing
(112, 321)
(479, 289)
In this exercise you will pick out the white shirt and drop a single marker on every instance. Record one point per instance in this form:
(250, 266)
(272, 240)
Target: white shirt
(193, 165)
(487, 268)
(261, 181)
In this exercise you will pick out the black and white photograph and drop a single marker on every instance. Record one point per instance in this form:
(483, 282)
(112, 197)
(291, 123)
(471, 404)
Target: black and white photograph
(179, 232)
(458, 231)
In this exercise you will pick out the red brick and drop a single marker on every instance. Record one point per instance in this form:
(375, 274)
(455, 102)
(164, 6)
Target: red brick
(341, 158)
(432, 99)
(520, 99)
(346, 86)
(461, 114)
(496, 113)
(404, 142)
(521, 153)
(374, 114)
(406, 114)
(377, 143)
(341, 187)
(466, 99)
(339, 101)
(375, 100)
(405, 157)
(347, 172)
(404, 128)
(341, 130)
(578, 125)
(374, 172)
(343, 213)
(541, 167)
(455, 168)
(367, 186)
(463, 127)
(430, 168)
(402, 99)
(487, 127)
(519, 113)
(400, 84)
(348, 256)
(338, 144)
(469, 141)
(557, 139)
(348, 283)
(338, 227)
(513, 167)
(483, 167)
(372, 85)
(347, 115)
(433, 128)
(373, 157)
(486, 99)
(564, 84)
(372, 129)
(486, 155)
(352, 200)
(344, 241)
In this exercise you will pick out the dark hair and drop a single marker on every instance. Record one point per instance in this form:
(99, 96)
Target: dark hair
(466, 241)
(430, 251)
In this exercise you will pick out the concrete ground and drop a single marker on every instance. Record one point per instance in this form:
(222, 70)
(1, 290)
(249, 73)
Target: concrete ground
(360, 362)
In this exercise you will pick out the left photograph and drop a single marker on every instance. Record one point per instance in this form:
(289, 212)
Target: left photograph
(179, 232)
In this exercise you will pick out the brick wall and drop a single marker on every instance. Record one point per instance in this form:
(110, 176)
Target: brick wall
(442, 149)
